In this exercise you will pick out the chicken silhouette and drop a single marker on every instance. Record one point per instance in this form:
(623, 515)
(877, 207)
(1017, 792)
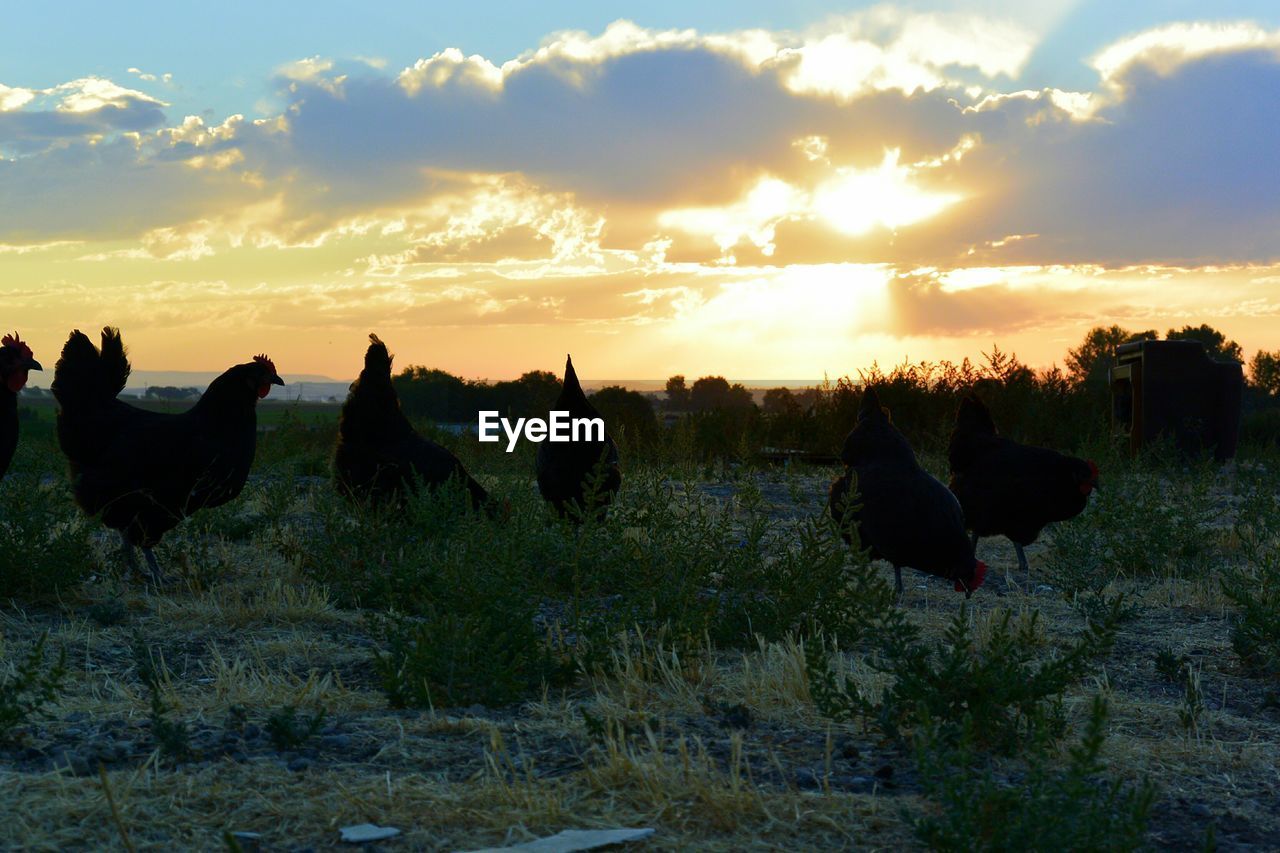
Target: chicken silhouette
(1011, 489)
(15, 361)
(579, 477)
(379, 456)
(903, 513)
(145, 471)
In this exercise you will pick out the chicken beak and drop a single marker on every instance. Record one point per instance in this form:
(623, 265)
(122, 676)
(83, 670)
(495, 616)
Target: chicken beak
(32, 364)
(276, 380)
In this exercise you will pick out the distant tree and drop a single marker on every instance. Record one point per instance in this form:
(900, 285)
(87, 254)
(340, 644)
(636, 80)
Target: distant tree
(628, 412)
(170, 392)
(781, 401)
(715, 393)
(677, 394)
(1088, 363)
(535, 392)
(429, 393)
(1264, 372)
(1215, 343)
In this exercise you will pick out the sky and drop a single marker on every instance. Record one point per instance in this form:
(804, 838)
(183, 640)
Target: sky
(756, 190)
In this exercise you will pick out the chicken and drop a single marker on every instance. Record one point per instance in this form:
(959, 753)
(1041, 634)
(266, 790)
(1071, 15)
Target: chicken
(379, 455)
(1010, 489)
(903, 514)
(144, 471)
(15, 361)
(578, 477)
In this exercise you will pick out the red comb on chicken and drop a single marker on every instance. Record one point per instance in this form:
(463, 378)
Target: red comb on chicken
(15, 362)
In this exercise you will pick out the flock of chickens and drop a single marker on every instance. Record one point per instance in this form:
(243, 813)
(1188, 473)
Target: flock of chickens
(143, 472)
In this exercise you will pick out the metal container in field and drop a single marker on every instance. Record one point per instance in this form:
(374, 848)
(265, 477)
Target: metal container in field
(1174, 388)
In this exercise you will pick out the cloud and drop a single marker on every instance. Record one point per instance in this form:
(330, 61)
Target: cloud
(885, 48)
(665, 177)
(1166, 49)
(33, 119)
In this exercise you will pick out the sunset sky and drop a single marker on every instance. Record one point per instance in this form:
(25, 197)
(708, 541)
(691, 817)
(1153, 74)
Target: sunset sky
(752, 189)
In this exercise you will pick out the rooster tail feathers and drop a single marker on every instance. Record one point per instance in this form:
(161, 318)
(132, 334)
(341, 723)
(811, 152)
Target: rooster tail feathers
(377, 359)
(973, 416)
(113, 362)
(85, 375)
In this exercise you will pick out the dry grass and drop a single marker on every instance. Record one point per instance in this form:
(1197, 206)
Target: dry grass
(716, 750)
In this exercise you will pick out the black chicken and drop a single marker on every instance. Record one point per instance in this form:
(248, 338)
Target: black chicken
(15, 360)
(903, 513)
(1010, 489)
(379, 455)
(146, 471)
(578, 477)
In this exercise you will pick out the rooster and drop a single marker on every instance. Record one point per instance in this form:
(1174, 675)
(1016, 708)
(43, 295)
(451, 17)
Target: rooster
(379, 455)
(573, 474)
(1010, 489)
(146, 471)
(15, 361)
(903, 513)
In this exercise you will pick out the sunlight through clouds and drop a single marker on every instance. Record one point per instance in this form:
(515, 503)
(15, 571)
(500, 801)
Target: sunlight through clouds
(921, 181)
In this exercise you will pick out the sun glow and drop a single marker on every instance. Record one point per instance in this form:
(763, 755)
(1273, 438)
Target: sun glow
(855, 201)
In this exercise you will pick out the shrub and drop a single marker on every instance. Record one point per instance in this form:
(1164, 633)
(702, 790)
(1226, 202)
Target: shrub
(1255, 632)
(449, 659)
(43, 547)
(172, 737)
(1075, 808)
(30, 686)
(289, 730)
(1005, 691)
(1253, 584)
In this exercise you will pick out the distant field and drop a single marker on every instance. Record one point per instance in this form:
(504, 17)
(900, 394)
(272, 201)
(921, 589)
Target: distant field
(269, 411)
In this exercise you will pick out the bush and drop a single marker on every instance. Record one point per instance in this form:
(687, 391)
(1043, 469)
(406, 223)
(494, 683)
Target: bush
(288, 730)
(450, 659)
(30, 686)
(1001, 696)
(1044, 809)
(1253, 584)
(43, 547)
(1149, 519)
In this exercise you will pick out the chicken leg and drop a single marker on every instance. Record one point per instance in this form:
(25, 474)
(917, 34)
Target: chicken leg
(157, 576)
(1022, 560)
(130, 554)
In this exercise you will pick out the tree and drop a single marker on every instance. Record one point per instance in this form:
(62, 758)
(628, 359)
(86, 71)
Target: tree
(1215, 343)
(170, 392)
(780, 401)
(714, 392)
(1088, 363)
(429, 393)
(1264, 372)
(677, 394)
(625, 411)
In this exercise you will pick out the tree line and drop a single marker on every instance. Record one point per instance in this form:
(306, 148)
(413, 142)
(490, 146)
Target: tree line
(1060, 406)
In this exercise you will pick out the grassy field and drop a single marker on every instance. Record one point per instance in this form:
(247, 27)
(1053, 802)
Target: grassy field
(711, 662)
